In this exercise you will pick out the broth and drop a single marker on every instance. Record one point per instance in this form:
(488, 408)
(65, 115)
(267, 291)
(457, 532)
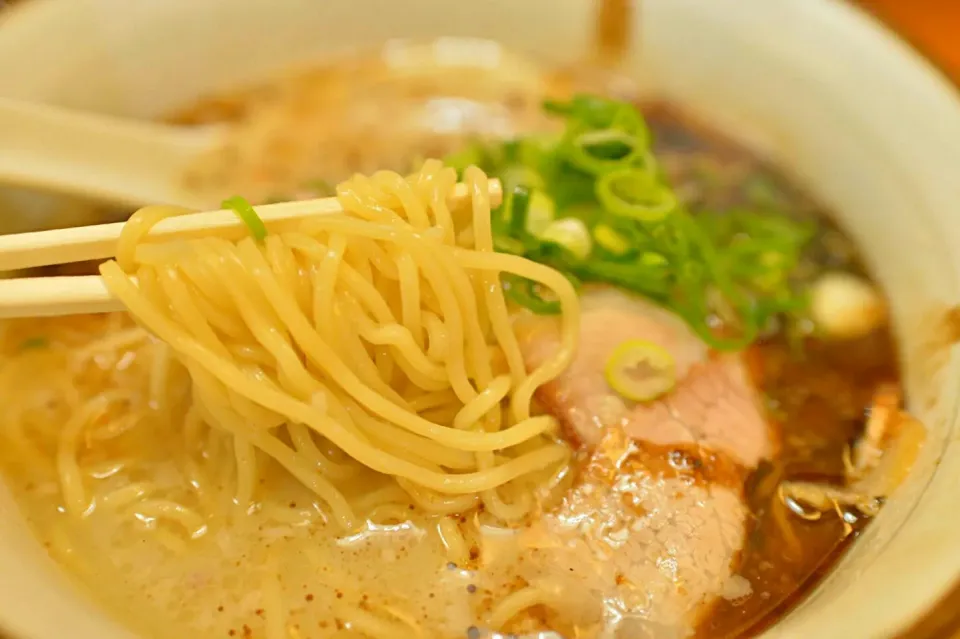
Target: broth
(816, 395)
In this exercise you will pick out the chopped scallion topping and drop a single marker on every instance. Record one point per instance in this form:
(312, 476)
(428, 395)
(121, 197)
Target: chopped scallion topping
(641, 371)
(594, 204)
(570, 233)
(635, 194)
(521, 176)
(248, 214)
(33, 343)
(507, 244)
(540, 214)
(523, 292)
(599, 152)
(321, 188)
(649, 258)
(610, 240)
(518, 204)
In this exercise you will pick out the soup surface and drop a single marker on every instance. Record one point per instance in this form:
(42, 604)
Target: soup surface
(648, 533)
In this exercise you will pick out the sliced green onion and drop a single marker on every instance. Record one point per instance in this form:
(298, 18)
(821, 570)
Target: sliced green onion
(556, 107)
(596, 112)
(516, 206)
(672, 238)
(523, 292)
(773, 259)
(651, 258)
(248, 214)
(570, 187)
(570, 233)
(540, 213)
(640, 370)
(768, 281)
(506, 244)
(34, 343)
(472, 155)
(633, 277)
(777, 228)
(532, 150)
(321, 187)
(601, 151)
(712, 339)
(519, 175)
(635, 194)
(594, 204)
(610, 240)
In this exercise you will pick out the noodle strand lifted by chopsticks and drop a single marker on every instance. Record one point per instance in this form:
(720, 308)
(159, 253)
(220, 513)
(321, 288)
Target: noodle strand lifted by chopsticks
(360, 330)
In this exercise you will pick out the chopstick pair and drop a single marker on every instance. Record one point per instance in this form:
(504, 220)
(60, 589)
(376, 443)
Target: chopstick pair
(70, 295)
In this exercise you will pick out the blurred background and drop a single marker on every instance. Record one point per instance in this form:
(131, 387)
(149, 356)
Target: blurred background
(930, 25)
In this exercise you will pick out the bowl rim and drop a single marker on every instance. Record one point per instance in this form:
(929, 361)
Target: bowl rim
(942, 618)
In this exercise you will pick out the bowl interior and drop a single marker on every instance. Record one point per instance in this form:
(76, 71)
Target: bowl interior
(853, 114)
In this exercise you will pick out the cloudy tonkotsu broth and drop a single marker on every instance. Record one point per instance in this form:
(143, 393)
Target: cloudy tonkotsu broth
(705, 507)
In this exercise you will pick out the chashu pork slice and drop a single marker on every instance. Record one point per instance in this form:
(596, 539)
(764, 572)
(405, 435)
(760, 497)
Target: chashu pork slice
(713, 405)
(653, 529)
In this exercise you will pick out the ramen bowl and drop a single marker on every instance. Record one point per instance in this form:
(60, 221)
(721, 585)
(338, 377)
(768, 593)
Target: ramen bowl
(846, 109)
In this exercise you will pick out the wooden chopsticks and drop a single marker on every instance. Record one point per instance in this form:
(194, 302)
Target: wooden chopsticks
(70, 295)
(50, 296)
(79, 244)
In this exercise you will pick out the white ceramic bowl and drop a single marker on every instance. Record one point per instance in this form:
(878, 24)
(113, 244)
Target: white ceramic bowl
(850, 111)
